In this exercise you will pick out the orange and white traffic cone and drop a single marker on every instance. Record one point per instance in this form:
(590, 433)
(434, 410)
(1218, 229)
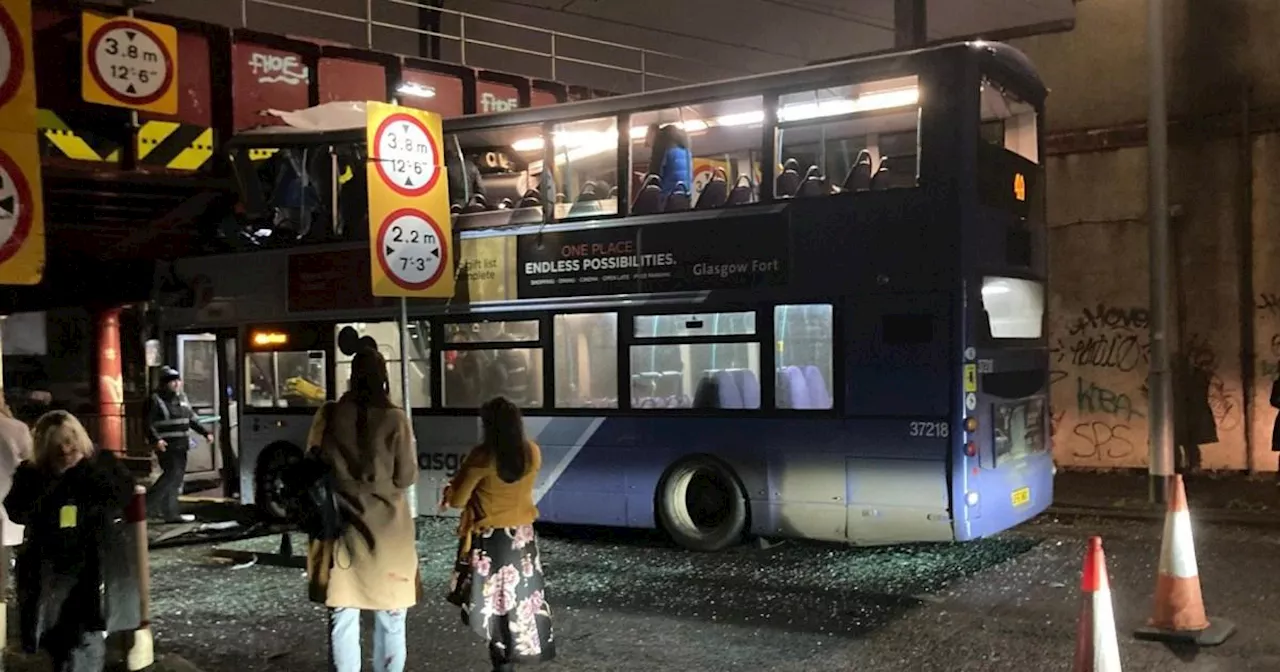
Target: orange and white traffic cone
(141, 650)
(1096, 647)
(1178, 614)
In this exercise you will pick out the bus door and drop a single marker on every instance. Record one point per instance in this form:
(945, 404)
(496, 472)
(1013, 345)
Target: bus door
(207, 362)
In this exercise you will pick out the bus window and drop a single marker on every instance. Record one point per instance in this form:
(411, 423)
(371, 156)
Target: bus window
(679, 155)
(586, 168)
(848, 138)
(1018, 429)
(492, 359)
(1014, 307)
(386, 337)
(705, 372)
(502, 184)
(1008, 122)
(804, 344)
(586, 360)
(285, 379)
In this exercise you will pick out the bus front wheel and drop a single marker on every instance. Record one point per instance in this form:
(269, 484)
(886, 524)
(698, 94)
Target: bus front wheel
(701, 505)
(269, 479)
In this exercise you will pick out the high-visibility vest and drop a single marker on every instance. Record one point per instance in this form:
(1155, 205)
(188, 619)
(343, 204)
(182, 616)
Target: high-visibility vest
(172, 427)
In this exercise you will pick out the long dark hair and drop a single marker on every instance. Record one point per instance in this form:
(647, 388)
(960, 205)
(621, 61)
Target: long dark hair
(369, 389)
(504, 438)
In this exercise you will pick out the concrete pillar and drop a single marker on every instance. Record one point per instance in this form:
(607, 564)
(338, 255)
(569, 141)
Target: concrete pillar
(110, 382)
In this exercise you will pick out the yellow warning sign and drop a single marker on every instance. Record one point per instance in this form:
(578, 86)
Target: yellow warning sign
(410, 232)
(1019, 187)
(128, 62)
(21, 212)
(970, 377)
(17, 70)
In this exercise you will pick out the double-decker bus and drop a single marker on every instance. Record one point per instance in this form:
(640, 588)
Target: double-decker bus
(832, 327)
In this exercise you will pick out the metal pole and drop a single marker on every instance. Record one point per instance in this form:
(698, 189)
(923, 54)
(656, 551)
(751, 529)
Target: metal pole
(462, 39)
(244, 13)
(407, 397)
(1161, 388)
(643, 71)
(553, 56)
(368, 23)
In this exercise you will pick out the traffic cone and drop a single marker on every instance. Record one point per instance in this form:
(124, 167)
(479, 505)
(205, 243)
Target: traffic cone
(1178, 614)
(1096, 647)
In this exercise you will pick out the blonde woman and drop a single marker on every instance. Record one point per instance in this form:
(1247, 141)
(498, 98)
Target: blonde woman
(67, 497)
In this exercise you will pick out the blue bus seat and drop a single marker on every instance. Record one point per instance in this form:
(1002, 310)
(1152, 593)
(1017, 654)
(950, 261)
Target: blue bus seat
(678, 200)
(859, 177)
(744, 192)
(749, 385)
(715, 192)
(730, 393)
(817, 386)
(788, 180)
(797, 388)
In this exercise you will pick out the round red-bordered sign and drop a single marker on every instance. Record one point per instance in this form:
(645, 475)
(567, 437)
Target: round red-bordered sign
(15, 201)
(11, 79)
(403, 242)
(397, 156)
(166, 61)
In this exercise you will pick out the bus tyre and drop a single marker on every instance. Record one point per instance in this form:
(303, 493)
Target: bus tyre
(269, 479)
(701, 505)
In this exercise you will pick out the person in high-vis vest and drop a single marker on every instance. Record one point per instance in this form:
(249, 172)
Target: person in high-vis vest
(169, 419)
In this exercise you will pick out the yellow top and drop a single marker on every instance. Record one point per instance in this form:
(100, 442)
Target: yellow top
(488, 501)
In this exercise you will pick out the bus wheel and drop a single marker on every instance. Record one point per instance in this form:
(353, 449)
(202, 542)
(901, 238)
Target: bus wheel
(702, 506)
(269, 478)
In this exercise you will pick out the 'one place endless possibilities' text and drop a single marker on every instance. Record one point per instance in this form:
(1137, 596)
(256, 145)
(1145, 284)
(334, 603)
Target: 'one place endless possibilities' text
(618, 263)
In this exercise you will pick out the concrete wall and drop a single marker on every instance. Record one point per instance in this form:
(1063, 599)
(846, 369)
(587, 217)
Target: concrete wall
(1099, 287)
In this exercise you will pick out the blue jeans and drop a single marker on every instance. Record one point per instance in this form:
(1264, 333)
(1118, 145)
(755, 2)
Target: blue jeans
(388, 640)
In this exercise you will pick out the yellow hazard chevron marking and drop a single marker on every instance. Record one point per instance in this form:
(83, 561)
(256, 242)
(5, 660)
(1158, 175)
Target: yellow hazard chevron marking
(191, 157)
(261, 154)
(66, 141)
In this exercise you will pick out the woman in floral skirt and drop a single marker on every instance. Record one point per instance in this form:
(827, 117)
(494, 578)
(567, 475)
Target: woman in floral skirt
(498, 579)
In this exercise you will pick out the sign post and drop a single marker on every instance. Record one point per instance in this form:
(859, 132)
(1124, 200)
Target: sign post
(22, 250)
(129, 63)
(410, 232)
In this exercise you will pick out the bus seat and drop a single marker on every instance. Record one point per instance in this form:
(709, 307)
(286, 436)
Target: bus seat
(743, 192)
(589, 192)
(455, 209)
(505, 204)
(560, 198)
(859, 177)
(797, 388)
(730, 393)
(788, 180)
(708, 393)
(781, 392)
(880, 180)
(678, 199)
(817, 386)
(814, 184)
(714, 193)
(668, 384)
(476, 204)
(649, 197)
(531, 199)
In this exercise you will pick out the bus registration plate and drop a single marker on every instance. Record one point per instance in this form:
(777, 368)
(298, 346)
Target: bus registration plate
(1021, 497)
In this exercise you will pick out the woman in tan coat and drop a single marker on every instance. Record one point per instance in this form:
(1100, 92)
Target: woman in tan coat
(368, 444)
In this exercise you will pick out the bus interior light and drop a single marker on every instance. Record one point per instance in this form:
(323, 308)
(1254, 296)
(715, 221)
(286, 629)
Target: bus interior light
(971, 424)
(264, 338)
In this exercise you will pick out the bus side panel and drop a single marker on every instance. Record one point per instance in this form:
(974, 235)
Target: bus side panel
(1032, 474)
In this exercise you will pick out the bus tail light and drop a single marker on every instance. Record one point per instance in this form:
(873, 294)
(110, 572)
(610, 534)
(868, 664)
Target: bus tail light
(971, 449)
(971, 424)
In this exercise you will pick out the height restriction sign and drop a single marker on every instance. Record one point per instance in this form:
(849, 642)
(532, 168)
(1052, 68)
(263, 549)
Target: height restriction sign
(129, 63)
(410, 232)
(17, 74)
(21, 219)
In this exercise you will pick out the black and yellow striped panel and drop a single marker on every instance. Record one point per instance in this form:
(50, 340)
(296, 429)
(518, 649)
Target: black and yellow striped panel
(168, 144)
(58, 140)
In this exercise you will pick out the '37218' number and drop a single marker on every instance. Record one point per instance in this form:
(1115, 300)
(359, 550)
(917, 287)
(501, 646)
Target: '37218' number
(937, 430)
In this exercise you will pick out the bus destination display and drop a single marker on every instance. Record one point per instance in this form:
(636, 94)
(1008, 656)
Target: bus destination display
(680, 256)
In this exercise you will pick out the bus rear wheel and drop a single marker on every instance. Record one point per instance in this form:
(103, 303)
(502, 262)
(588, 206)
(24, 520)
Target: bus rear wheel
(702, 506)
(269, 479)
